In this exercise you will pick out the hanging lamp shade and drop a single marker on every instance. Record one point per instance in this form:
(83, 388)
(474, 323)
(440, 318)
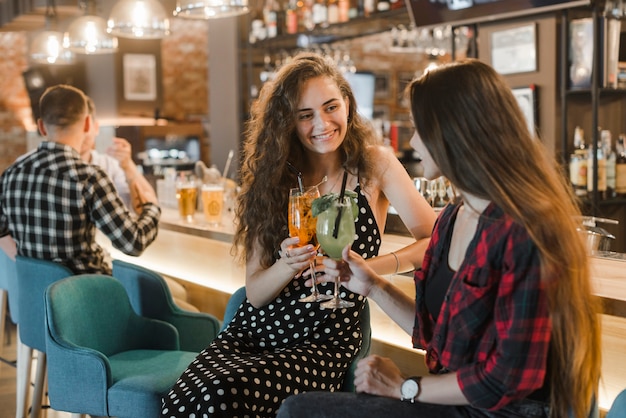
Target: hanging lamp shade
(210, 9)
(146, 19)
(88, 35)
(47, 48)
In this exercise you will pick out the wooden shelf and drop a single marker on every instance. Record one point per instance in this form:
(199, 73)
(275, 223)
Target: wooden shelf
(357, 27)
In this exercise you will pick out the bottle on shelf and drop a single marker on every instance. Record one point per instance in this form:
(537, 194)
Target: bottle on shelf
(291, 17)
(383, 5)
(369, 7)
(601, 158)
(270, 16)
(620, 166)
(344, 10)
(320, 14)
(609, 155)
(305, 18)
(578, 164)
(333, 11)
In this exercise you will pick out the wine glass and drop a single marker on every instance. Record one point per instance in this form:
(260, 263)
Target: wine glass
(302, 225)
(442, 191)
(335, 230)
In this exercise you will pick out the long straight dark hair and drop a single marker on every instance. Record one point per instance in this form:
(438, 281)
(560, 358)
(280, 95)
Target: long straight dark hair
(472, 126)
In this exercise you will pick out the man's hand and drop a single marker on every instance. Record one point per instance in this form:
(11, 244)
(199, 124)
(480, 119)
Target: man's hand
(122, 152)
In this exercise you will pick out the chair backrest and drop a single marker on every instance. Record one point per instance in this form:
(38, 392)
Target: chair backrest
(618, 408)
(235, 300)
(33, 277)
(93, 311)
(8, 282)
(239, 297)
(147, 290)
(150, 297)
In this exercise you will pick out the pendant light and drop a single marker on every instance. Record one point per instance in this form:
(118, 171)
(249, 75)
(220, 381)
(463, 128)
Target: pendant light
(88, 34)
(210, 9)
(145, 19)
(47, 46)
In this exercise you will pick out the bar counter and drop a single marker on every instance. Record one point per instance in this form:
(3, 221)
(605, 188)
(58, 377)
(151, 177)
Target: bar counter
(199, 257)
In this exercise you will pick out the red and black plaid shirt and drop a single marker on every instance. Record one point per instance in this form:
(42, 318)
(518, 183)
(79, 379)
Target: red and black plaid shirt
(494, 325)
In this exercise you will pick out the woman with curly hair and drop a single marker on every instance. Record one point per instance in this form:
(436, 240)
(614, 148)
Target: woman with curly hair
(304, 122)
(503, 306)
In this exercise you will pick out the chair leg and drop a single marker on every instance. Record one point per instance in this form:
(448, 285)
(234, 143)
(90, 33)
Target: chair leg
(40, 380)
(24, 363)
(3, 315)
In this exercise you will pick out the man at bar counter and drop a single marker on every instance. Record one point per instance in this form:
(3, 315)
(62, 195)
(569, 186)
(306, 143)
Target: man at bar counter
(51, 201)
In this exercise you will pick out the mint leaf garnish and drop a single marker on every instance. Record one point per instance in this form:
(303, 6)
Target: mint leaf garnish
(322, 204)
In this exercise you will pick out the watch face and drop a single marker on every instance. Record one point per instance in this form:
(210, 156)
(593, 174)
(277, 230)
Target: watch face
(409, 389)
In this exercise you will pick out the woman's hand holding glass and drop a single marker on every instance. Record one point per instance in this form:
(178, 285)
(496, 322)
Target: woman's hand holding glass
(353, 272)
(335, 231)
(302, 225)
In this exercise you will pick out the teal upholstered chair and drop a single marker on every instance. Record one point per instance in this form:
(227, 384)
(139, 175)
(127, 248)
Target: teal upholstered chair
(33, 277)
(103, 358)
(8, 292)
(150, 297)
(618, 408)
(239, 297)
(8, 295)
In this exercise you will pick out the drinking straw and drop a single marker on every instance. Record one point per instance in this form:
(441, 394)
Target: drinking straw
(340, 208)
(299, 174)
(228, 160)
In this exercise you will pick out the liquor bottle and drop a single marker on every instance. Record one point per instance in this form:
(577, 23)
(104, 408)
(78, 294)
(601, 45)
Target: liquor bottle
(383, 5)
(291, 17)
(578, 164)
(369, 7)
(333, 11)
(620, 166)
(344, 9)
(271, 18)
(305, 18)
(258, 31)
(609, 155)
(601, 158)
(353, 9)
(320, 14)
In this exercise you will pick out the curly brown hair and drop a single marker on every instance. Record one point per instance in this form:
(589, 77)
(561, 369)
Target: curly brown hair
(271, 144)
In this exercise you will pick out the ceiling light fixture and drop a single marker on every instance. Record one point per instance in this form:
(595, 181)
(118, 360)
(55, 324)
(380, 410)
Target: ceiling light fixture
(145, 19)
(210, 9)
(88, 34)
(47, 46)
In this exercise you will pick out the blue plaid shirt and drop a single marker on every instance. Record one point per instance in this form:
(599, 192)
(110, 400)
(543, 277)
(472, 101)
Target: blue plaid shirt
(52, 202)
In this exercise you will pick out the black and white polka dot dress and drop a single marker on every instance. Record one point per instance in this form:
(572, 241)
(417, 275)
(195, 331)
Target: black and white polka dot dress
(283, 348)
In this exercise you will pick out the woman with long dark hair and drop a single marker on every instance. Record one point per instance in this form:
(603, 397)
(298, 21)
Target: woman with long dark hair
(503, 306)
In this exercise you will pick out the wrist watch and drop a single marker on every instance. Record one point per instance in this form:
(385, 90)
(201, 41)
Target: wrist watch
(411, 389)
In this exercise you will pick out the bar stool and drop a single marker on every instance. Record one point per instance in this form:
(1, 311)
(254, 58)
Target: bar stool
(33, 277)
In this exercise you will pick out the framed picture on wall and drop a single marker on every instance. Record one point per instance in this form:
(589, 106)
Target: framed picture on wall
(527, 100)
(140, 77)
(514, 50)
